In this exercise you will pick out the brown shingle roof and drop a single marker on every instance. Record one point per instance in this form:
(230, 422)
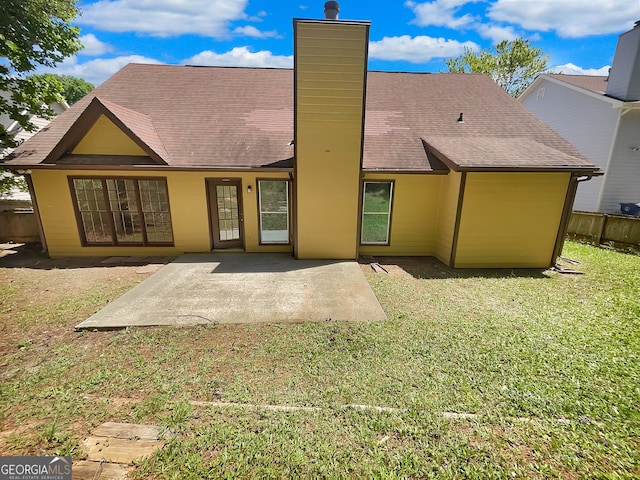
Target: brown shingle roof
(229, 117)
(243, 117)
(498, 132)
(595, 84)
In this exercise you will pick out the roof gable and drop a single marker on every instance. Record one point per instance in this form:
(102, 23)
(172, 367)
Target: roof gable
(592, 83)
(137, 127)
(593, 86)
(106, 138)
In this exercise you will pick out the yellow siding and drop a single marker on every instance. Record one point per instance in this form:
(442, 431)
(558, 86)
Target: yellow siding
(189, 214)
(414, 216)
(330, 68)
(105, 138)
(447, 216)
(510, 219)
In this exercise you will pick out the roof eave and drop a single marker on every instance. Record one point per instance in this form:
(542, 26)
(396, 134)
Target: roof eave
(627, 107)
(418, 171)
(593, 171)
(27, 167)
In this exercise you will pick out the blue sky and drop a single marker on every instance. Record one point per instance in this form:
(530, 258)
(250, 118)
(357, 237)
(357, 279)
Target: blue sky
(579, 36)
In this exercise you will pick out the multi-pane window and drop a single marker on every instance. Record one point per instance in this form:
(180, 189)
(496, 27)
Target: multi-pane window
(273, 197)
(376, 213)
(123, 211)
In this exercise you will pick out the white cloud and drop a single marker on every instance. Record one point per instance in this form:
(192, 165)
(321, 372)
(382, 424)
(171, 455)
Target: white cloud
(497, 33)
(571, 69)
(93, 47)
(419, 49)
(98, 70)
(259, 17)
(441, 13)
(250, 31)
(568, 18)
(164, 18)
(240, 57)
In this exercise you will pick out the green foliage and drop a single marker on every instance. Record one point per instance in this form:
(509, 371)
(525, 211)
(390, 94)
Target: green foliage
(513, 65)
(32, 34)
(9, 181)
(71, 88)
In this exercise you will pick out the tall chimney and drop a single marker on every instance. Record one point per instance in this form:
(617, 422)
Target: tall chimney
(624, 76)
(330, 71)
(331, 10)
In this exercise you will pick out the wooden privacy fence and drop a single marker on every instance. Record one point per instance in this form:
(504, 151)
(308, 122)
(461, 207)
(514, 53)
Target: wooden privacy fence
(18, 226)
(603, 227)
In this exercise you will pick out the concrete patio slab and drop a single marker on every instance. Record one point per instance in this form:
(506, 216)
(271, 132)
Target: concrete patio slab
(243, 288)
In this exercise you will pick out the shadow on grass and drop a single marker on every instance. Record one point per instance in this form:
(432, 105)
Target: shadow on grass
(432, 268)
(30, 255)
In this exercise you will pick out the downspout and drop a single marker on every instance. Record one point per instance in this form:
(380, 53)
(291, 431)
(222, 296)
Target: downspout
(566, 213)
(36, 210)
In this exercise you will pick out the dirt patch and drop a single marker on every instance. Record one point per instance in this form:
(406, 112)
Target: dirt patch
(416, 267)
(42, 299)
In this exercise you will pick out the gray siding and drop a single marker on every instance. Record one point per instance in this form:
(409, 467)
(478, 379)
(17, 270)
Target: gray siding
(624, 78)
(622, 181)
(586, 122)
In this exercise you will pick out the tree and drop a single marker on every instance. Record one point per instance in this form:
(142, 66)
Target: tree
(33, 33)
(9, 181)
(72, 88)
(513, 65)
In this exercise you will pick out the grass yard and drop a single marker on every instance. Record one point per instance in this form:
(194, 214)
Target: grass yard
(482, 374)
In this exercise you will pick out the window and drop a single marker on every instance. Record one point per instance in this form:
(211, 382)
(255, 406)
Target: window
(273, 198)
(376, 213)
(122, 211)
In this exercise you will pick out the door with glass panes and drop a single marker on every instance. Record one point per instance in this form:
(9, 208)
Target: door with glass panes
(225, 212)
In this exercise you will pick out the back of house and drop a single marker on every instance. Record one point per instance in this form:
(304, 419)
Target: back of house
(328, 160)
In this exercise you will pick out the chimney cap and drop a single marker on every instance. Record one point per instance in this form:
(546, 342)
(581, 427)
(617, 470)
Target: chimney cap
(331, 10)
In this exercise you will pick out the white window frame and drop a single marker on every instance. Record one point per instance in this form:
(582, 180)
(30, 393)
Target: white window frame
(264, 241)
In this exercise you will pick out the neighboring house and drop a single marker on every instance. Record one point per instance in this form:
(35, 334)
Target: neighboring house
(325, 161)
(18, 197)
(600, 116)
(18, 132)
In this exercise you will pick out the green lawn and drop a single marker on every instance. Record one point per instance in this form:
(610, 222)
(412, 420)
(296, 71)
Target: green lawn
(548, 364)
